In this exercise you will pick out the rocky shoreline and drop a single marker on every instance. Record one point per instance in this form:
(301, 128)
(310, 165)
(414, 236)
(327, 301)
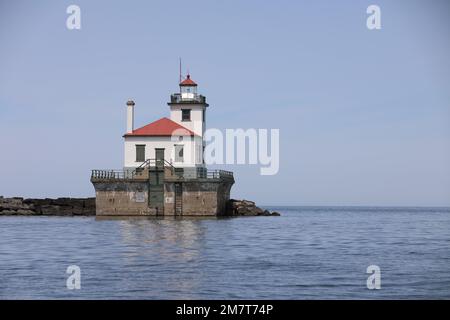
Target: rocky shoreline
(246, 208)
(47, 207)
(18, 206)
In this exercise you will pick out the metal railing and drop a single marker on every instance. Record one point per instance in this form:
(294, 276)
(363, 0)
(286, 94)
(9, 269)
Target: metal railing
(154, 163)
(111, 174)
(224, 173)
(185, 173)
(200, 173)
(176, 98)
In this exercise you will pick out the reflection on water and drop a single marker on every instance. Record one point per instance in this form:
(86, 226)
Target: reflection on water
(159, 234)
(165, 241)
(306, 253)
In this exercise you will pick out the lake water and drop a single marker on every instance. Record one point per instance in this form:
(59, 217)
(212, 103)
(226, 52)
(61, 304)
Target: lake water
(307, 253)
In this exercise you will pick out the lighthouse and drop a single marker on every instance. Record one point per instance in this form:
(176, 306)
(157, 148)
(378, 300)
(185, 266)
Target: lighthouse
(177, 140)
(164, 173)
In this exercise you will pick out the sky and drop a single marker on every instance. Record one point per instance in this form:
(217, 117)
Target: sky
(364, 115)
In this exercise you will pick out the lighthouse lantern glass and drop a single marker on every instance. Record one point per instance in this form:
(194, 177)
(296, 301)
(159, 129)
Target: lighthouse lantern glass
(188, 92)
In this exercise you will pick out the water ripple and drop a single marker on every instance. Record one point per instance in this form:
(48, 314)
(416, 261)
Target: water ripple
(307, 253)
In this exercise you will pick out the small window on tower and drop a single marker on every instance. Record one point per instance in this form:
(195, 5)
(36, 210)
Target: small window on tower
(185, 114)
(140, 152)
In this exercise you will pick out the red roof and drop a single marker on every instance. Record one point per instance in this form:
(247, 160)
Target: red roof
(188, 82)
(161, 127)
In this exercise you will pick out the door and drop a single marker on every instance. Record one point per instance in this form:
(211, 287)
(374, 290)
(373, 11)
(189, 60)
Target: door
(159, 155)
(156, 191)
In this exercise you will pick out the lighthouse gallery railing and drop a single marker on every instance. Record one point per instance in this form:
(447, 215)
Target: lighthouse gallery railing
(200, 173)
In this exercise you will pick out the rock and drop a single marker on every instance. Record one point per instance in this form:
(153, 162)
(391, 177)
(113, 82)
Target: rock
(258, 211)
(89, 207)
(246, 208)
(25, 212)
(248, 203)
(47, 206)
(8, 212)
(242, 210)
(77, 211)
(12, 204)
(50, 210)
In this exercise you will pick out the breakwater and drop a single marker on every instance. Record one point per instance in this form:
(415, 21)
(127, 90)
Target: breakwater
(53, 207)
(18, 206)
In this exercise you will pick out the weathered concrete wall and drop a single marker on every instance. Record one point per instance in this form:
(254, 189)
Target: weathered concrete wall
(127, 197)
(205, 197)
(169, 199)
(224, 198)
(53, 207)
(200, 197)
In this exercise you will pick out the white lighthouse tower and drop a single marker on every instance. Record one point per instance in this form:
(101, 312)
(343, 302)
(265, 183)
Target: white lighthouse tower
(188, 109)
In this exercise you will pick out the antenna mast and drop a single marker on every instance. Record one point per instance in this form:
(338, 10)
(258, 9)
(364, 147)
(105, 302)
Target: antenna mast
(180, 72)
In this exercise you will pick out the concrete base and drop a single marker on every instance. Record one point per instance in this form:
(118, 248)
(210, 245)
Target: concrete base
(131, 197)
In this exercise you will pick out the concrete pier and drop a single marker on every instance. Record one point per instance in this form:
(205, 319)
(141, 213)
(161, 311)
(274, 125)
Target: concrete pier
(164, 191)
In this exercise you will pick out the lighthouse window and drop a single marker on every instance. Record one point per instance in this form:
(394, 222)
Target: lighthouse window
(178, 153)
(140, 152)
(185, 114)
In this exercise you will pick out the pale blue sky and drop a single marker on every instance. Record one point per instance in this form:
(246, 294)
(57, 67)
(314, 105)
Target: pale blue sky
(364, 116)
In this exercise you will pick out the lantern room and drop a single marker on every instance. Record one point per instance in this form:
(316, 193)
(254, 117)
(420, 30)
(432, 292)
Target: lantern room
(188, 89)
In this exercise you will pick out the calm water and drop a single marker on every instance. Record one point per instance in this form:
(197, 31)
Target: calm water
(307, 253)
